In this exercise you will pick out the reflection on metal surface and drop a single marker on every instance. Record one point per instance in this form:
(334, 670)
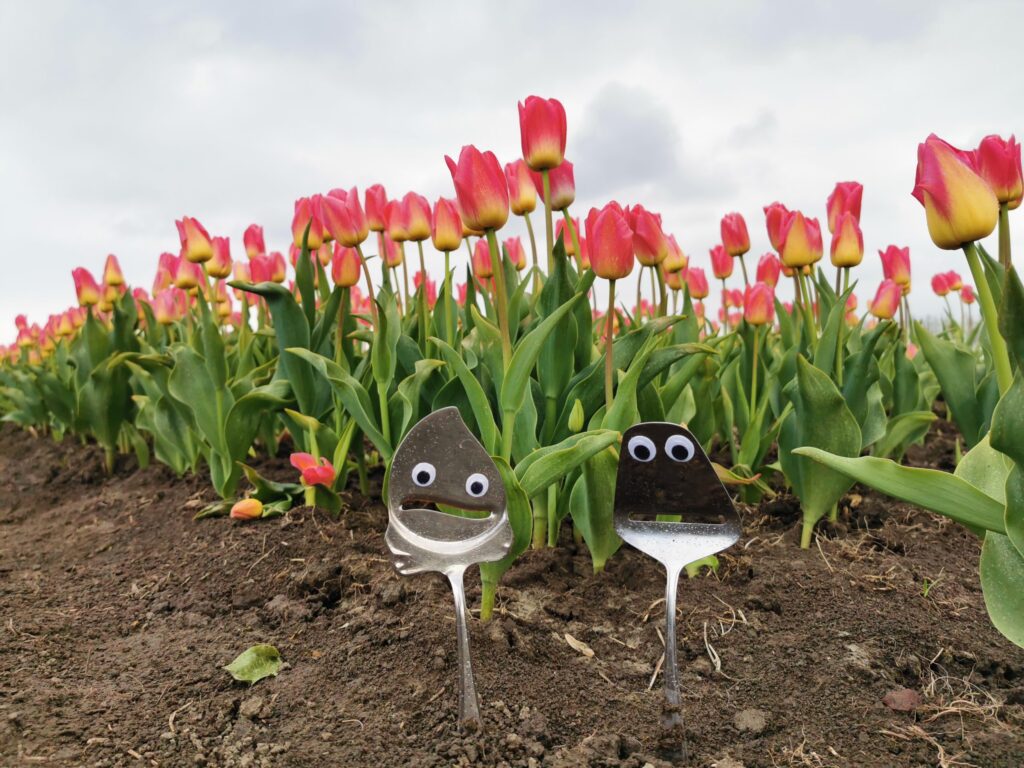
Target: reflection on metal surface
(440, 463)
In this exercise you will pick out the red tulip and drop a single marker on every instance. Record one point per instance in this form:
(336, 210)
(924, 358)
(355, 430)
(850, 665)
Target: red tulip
(416, 212)
(940, 284)
(562, 184)
(482, 266)
(954, 280)
(345, 266)
(759, 304)
(220, 265)
(610, 241)
(959, 204)
(522, 193)
(775, 217)
(768, 268)
(847, 242)
(999, 164)
(542, 126)
(845, 198)
(195, 240)
(562, 231)
(395, 218)
(393, 255)
(314, 472)
(649, 242)
(343, 216)
(112, 274)
(279, 268)
(801, 241)
(896, 264)
(481, 189)
(307, 213)
(734, 234)
(721, 262)
(967, 294)
(85, 287)
(376, 199)
(516, 254)
(675, 260)
(697, 282)
(887, 300)
(252, 238)
(446, 225)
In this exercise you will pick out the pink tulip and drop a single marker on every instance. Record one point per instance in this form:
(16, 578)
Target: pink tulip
(112, 274)
(887, 300)
(775, 216)
(610, 241)
(219, 266)
(252, 238)
(721, 262)
(759, 304)
(376, 200)
(307, 213)
(416, 213)
(343, 216)
(734, 234)
(195, 240)
(697, 282)
(845, 198)
(481, 189)
(768, 268)
(896, 264)
(542, 127)
(999, 164)
(85, 287)
(522, 193)
(314, 472)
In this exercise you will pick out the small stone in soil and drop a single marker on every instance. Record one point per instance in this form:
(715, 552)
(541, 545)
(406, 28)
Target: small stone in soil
(902, 700)
(251, 707)
(751, 721)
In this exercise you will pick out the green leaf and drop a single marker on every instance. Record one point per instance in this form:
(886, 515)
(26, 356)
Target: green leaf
(255, 663)
(519, 517)
(901, 431)
(1008, 422)
(547, 465)
(1002, 582)
(1011, 315)
(592, 506)
(474, 393)
(940, 492)
(955, 370)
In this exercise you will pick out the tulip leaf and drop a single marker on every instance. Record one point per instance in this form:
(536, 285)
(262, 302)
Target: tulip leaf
(901, 431)
(955, 370)
(255, 663)
(474, 393)
(547, 465)
(519, 517)
(1002, 582)
(592, 506)
(1011, 315)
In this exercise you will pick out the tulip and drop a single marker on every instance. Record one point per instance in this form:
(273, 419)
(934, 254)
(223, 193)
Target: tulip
(247, 509)
(649, 242)
(967, 295)
(165, 307)
(394, 216)
(775, 217)
(697, 283)
(164, 277)
(376, 198)
(847, 243)
(393, 256)
(674, 280)
(307, 214)
(721, 263)
(959, 205)
(252, 238)
(481, 189)
(85, 287)
(768, 268)
(344, 218)
(446, 228)
(955, 281)
(845, 198)
(801, 241)
(887, 300)
(313, 471)
(675, 259)
(733, 298)
(482, 266)
(345, 266)
(416, 211)
(561, 186)
(569, 235)
(896, 265)
(542, 127)
(278, 267)
(112, 274)
(516, 254)
(187, 275)
(998, 162)
(940, 284)
(195, 240)
(220, 265)
(522, 192)
(735, 237)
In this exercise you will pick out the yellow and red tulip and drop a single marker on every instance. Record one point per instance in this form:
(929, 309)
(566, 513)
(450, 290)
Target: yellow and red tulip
(307, 213)
(649, 242)
(759, 304)
(998, 162)
(967, 295)
(195, 240)
(346, 266)
(376, 201)
(522, 192)
(416, 214)
(721, 262)
(887, 300)
(610, 242)
(397, 227)
(768, 268)
(112, 274)
(446, 226)
(344, 217)
(85, 287)
(775, 217)
(675, 260)
(735, 237)
(252, 238)
(845, 198)
(482, 266)
(481, 189)
(542, 128)
(220, 265)
(516, 254)
(847, 242)
(697, 282)
(896, 265)
(801, 241)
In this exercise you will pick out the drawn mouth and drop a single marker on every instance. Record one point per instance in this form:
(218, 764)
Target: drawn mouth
(445, 506)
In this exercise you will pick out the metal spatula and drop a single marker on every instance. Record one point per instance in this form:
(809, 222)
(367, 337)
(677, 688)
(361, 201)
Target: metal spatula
(664, 471)
(440, 463)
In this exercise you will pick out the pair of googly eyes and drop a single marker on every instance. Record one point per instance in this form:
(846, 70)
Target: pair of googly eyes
(677, 447)
(424, 474)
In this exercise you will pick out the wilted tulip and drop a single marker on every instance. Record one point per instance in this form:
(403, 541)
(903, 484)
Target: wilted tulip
(896, 264)
(759, 304)
(801, 241)
(775, 217)
(959, 204)
(307, 213)
(314, 471)
(247, 509)
(735, 237)
(697, 282)
(887, 300)
(721, 262)
(252, 238)
(219, 266)
(112, 274)
(542, 127)
(344, 218)
(85, 287)
(522, 192)
(481, 189)
(999, 164)
(845, 198)
(195, 240)
(345, 266)
(768, 268)
(446, 226)
(847, 242)
(416, 214)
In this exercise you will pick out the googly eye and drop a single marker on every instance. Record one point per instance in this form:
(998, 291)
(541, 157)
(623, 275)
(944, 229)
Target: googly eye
(680, 448)
(424, 474)
(641, 448)
(477, 485)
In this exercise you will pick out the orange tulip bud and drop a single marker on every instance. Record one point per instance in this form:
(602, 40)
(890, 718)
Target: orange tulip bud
(247, 509)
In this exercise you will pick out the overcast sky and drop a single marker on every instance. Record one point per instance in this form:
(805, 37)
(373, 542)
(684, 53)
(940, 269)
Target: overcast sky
(119, 117)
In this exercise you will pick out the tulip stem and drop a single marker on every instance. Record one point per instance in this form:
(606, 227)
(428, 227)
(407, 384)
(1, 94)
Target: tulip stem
(753, 373)
(498, 269)
(369, 282)
(449, 310)
(405, 277)
(743, 266)
(548, 226)
(654, 286)
(609, 368)
(421, 304)
(533, 250)
(1004, 235)
(1000, 357)
(812, 334)
(638, 312)
(574, 236)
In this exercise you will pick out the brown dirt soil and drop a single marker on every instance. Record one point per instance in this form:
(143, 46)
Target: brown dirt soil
(117, 612)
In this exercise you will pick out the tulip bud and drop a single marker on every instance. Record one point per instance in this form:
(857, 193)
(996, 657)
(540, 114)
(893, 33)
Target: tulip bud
(649, 241)
(721, 262)
(697, 282)
(220, 265)
(768, 268)
(584, 253)
(253, 240)
(562, 231)
(345, 266)
(195, 240)
(562, 185)
(187, 275)
(896, 264)
(343, 216)
(845, 198)
(967, 294)
(999, 164)
(112, 274)
(446, 226)
(393, 254)
(481, 189)
(165, 307)
(610, 242)
(85, 287)
(576, 416)
(542, 127)
(887, 300)
(522, 193)
(394, 217)
(847, 242)
(801, 241)
(675, 260)
(307, 213)
(954, 281)
(759, 304)
(482, 266)
(734, 234)
(278, 267)
(416, 213)
(940, 284)
(775, 217)
(376, 200)
(959, 205)
(247, 509)
(516, 254)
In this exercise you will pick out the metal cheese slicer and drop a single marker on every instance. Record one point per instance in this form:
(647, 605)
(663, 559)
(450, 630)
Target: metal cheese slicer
(664, 471)
(440, 463)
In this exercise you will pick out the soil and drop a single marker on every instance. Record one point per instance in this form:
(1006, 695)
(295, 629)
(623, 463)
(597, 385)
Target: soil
(118, 612)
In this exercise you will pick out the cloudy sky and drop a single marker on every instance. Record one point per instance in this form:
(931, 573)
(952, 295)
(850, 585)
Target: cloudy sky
(119, 117)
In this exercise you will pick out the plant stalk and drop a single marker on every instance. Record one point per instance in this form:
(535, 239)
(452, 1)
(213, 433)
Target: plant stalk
(498, 267)
(609, 367)
(1000, 357)
(549, 229)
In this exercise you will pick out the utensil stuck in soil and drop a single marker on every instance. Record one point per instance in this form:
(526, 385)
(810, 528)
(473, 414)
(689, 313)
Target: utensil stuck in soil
(665, 476)
(441, 464)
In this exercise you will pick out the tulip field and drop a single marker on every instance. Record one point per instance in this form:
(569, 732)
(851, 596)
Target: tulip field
(218, 442)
